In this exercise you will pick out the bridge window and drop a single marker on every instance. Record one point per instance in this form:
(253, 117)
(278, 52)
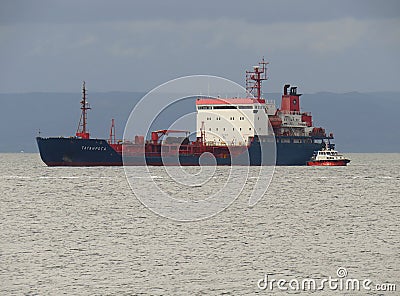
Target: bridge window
(225, 107)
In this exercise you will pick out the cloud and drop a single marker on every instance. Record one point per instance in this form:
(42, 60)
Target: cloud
(324, 37)
(121, 49)
(142, 39)
(165, 49)
(256, 12)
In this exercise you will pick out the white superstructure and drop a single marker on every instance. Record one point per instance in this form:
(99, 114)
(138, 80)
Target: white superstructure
(232, 121)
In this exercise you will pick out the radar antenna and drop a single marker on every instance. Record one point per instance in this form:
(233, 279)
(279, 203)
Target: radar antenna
(82, 131)
(254, 79)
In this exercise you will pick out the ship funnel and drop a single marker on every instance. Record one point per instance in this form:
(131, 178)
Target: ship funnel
(285, 88)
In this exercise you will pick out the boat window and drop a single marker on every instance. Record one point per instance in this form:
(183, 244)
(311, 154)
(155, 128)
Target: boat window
(225, 107)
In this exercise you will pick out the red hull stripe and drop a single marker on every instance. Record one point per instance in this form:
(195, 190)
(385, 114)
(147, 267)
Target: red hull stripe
(119, 164)
(327, 163)
(84, 163)
(234, 101)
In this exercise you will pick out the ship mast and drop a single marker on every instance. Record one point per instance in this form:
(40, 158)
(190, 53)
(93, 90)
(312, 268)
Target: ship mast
(112, 133)
(254, 78)
(82, 132)
(203, 133)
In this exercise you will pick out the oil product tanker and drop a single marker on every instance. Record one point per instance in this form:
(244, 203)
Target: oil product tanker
(247, 130)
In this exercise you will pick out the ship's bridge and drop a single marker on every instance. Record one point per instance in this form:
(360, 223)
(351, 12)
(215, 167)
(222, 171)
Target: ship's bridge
(232, 121)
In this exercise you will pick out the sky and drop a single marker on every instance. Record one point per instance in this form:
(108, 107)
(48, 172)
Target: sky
(318, 45)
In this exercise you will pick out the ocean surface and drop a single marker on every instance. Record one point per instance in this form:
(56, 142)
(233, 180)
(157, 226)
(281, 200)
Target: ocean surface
(81, 231)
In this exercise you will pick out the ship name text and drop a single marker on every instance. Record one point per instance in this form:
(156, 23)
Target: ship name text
(94, 148)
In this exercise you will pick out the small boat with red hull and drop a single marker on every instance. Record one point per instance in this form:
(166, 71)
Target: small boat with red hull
(328, 157)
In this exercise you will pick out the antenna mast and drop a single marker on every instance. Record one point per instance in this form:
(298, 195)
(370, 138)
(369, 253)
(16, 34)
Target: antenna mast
(254, 79)
(112, 133)
(203, 133)
(82, 132)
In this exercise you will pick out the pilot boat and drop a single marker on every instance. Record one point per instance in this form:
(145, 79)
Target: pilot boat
(328, 157)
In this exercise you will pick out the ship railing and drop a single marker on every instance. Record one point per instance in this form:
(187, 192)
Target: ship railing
(224, 144)
(294, 125)
(214, 143)
(295, 112)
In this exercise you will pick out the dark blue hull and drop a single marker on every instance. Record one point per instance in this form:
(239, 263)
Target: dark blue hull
(97, 152)
(77, 152)
(295, 154)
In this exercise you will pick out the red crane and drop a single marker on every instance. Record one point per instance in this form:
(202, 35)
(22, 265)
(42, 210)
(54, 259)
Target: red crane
(156, 135)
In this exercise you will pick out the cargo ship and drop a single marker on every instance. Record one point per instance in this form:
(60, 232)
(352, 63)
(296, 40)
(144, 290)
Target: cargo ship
(231, 131)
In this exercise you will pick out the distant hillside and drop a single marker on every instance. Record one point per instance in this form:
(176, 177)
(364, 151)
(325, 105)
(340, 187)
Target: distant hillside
(361, 122)
(57, 114)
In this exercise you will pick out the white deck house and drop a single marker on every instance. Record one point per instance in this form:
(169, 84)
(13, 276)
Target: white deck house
(232, 121)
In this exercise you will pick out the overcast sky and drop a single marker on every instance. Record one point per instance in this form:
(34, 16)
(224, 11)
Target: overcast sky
(319, 45)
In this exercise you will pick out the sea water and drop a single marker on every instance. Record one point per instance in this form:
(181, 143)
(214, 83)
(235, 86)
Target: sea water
(81, 231)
